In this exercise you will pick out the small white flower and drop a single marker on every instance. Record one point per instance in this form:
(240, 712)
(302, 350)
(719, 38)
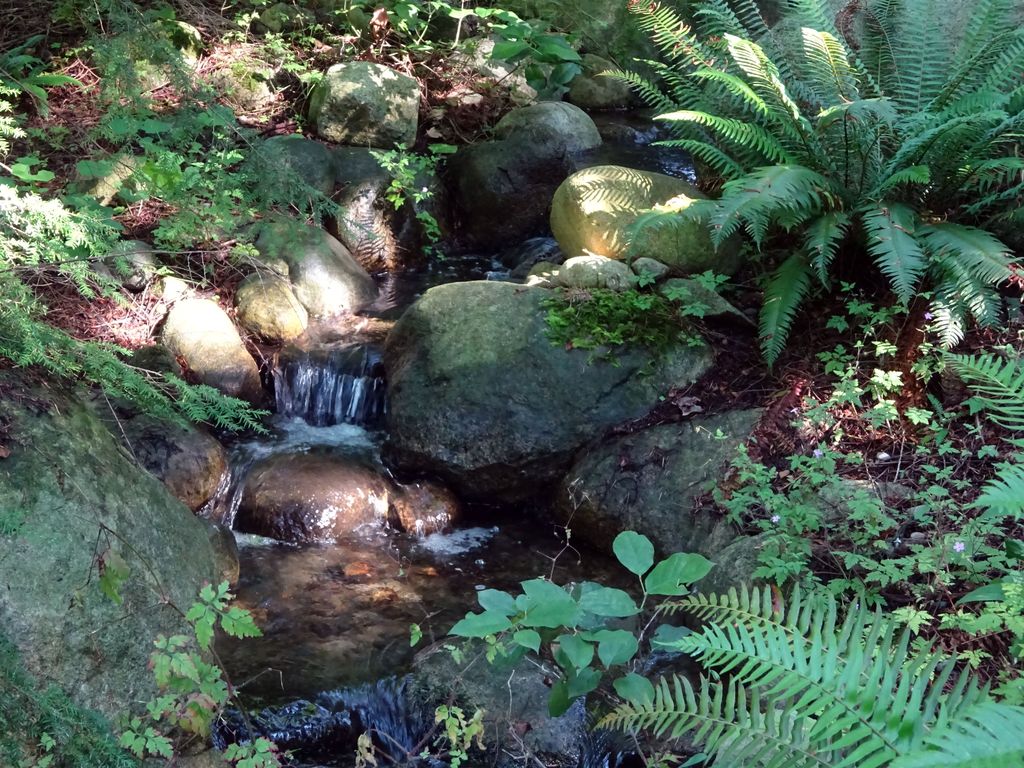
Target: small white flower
(959, 546)
(818, 453)
(776, 518)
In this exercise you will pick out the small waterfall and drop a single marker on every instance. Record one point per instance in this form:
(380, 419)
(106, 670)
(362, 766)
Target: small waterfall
(332, 385)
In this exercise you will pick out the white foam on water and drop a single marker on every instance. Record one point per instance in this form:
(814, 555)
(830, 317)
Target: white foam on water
(457, 542)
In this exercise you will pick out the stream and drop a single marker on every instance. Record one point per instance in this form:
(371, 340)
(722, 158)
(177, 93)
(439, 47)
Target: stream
(336, 609)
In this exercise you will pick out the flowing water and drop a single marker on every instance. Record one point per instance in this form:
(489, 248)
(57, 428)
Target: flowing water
(339, 615)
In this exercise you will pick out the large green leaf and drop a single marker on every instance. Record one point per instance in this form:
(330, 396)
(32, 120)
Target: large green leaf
(675, 574)
(547, 605)
(635, 551)
(606, 601)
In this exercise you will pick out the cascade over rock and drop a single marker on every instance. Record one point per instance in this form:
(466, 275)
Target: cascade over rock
(480, 397)
(648, 482)
(366, 104)
(201, 333)
(593, 210)
(72, 496)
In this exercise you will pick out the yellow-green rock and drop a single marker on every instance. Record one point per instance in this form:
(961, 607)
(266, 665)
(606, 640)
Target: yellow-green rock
(594, 210)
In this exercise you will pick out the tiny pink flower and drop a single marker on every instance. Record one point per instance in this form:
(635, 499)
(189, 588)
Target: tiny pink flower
(929, 316)
(959, 546)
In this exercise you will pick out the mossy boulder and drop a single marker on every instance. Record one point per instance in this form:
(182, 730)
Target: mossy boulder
(481, 398)
(550, 127)
(72, 505)
(203, 336)
(593, 90)
(502, 190)
(594, 212)
(266, 306)
(366, 104)
(306, 160)
(595, 272)
(325, 278)
(648, 482)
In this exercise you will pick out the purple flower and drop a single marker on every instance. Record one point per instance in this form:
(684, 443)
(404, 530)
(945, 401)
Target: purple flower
(818, 453)
(929, 316)
(959, 546)
(776, 518)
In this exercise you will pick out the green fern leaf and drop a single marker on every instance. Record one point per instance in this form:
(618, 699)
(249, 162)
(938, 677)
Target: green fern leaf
(981, 252)
(989, 735)
(1004, 494)
(822, 241)
(782, 297)
(891, 241)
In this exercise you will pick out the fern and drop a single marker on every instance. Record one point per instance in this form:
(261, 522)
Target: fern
(805, 689)
(785, 291)
(898, 152)
(998, 387)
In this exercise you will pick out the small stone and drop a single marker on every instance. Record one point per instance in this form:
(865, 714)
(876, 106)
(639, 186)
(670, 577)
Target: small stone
(595, 272)
(648, 266)
(353, 570)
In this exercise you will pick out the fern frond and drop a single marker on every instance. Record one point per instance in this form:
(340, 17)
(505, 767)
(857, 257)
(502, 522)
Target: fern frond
(823, 238)
(743, 135)
(989, 735)
(915, 174)
(648, 92)
(892, 243)
(980, 252)
(728, 720)
(783, 295)
(757, 198)
(736, 86)
(1004, 494)
(998, 384)
(709, 154)
(829, 68)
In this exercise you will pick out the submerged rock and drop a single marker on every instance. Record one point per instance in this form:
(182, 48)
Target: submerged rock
(423, 508)
(201, 333)
(73, 505)
(366, 104)
(594, 210)
(648, 482)
(480, 397)
(302, 497)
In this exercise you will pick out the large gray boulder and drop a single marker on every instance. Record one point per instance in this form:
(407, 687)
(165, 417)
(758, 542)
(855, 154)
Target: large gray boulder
(325, 278)
(482, 398)
(366, 104)
(266, 305)
(593, 90)
(551, 127)
(200, 333)
(502, 190)
(594, 212)
(72, 504)
(648, 482)
(306, 160)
